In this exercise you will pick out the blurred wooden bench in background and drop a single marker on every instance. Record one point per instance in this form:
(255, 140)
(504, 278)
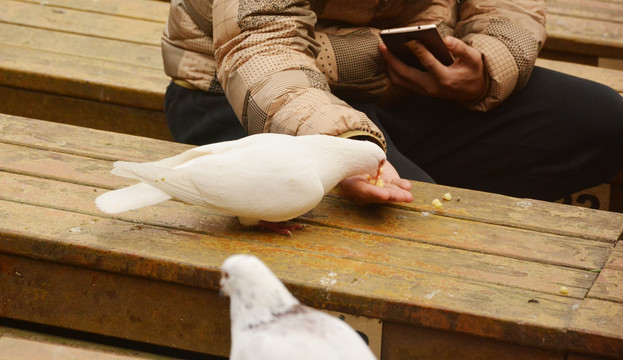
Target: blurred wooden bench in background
(89, 63)
(585, 31)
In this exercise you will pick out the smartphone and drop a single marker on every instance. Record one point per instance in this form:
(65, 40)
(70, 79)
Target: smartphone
(427, 35)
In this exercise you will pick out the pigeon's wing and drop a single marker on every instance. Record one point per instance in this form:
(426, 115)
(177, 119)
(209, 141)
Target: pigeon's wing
(244, 182)
(308, 336)
(252, 185)
(120, 167)
(175, 183)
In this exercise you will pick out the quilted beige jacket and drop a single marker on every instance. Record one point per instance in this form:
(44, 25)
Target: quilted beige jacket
(287, 66)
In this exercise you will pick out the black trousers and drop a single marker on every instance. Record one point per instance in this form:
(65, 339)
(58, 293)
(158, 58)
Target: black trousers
(558, 135)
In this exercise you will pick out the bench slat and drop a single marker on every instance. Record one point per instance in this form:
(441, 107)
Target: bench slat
(492, 208)
(593, 324)
(82, 77)
(608, 11)
(584, 36)
(608, 283)
(440, 260)
(387, 292)
(584, 254)
(84, 141)
(81, 22)
(76, 45)
(150, 10)
(82, 112)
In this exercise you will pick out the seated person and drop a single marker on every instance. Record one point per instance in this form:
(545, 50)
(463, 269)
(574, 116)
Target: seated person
(491, 121)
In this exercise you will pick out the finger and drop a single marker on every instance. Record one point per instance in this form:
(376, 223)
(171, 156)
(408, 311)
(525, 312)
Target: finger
(393, 62)
(403, 75)
(427, 59)
(461, 50)
(403, 184)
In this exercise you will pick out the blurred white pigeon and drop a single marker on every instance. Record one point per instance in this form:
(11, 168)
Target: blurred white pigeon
(268, 323)
(263, 179)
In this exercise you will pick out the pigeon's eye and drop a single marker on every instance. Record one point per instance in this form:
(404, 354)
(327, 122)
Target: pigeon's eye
(225, 275)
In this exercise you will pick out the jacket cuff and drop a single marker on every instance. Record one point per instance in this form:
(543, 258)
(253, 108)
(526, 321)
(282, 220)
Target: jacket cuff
(500, 68)
(364, 135)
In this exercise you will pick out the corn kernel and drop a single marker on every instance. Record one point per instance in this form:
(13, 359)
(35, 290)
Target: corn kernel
(437, 204)
(447, 196)
(564, 290)
(379, 183)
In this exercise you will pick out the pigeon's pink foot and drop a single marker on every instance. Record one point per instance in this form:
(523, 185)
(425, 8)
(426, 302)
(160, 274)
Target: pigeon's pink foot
(283, 228)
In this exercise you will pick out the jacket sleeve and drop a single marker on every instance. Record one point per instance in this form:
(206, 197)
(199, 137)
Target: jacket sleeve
(509, 34)
(265, 52)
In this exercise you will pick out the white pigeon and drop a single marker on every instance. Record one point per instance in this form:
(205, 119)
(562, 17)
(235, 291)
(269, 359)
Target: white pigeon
(263, 179)
(268, 323)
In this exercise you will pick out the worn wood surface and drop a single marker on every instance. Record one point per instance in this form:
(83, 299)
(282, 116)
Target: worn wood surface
(20, 344)
(70, 60)
(81, 112)
(593, 27)
(407, 342)
(487, 265)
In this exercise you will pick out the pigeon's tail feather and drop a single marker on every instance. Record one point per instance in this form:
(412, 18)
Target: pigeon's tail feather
(130, 198)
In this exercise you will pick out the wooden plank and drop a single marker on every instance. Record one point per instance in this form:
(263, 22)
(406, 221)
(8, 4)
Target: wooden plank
(587, 36)
(343, 214)
(114, 51)
(87, 113)
(610, 77)
(458, 233)
(478, 206)
(66, 167)
(609, 283)
(529, 214)
(81, 22)
(19, 344)
(84, 141)
(608, 286)
(109, 304)
(615, 262)
(406, 342)
(190, 259)
(607, 11)
(150, 10)
(83, 78)
(406, 254)
(596, 329)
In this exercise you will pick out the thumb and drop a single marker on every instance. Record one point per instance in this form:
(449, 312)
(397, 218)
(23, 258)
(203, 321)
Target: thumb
(460, 49)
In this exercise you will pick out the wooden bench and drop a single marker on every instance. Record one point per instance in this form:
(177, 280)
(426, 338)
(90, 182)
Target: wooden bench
(89, 63)
(585, 30)
(486, 276)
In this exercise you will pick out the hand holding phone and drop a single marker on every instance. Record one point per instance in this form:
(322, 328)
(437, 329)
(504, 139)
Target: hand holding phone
(428, 35)
(464, 81)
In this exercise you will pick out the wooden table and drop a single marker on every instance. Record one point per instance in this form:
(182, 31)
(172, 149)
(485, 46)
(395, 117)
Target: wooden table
(481, 277)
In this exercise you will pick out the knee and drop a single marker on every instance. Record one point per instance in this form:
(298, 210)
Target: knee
(607, 116)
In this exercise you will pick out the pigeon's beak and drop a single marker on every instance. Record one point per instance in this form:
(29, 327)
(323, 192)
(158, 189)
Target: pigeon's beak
(379, 171)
